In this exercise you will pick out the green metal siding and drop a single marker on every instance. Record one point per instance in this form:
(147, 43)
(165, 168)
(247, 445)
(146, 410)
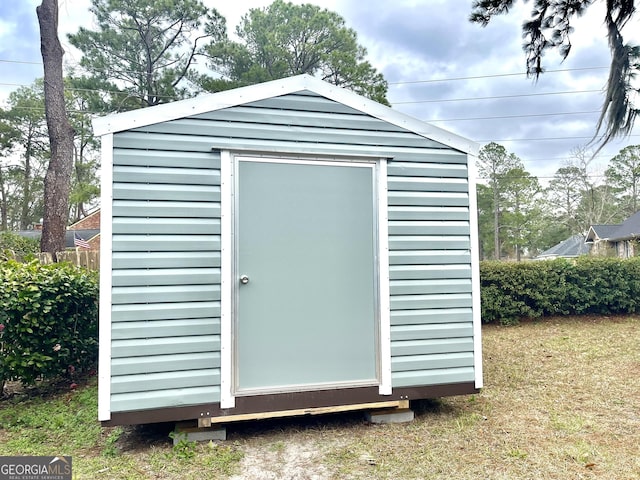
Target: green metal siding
(166, 244)
(165, 278)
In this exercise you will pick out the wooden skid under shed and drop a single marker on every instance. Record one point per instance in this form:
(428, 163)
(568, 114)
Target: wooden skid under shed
(205, 422)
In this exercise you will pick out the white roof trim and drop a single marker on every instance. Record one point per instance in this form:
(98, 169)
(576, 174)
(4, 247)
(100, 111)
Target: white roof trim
(230, 98)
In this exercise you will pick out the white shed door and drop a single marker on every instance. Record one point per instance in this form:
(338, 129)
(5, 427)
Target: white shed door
(306, 303)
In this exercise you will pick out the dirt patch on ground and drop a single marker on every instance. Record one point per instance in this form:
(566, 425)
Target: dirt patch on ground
(291, 461)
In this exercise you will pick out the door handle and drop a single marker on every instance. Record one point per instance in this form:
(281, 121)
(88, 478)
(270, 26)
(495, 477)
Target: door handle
(244, 279)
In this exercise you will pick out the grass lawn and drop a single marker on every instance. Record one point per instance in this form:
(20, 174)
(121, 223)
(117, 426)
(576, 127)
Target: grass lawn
(561, 401)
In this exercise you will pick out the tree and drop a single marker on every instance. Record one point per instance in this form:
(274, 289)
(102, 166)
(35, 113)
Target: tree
(7, 141)
(550, 27)
(25, 148)
(494, 165)
(284, 39)
(57, 179)
(565, 192)
(623, 176)
(519, 209)
(484, 195)
(598, 206)
(22, 182)
(85, 183)
(143, 50)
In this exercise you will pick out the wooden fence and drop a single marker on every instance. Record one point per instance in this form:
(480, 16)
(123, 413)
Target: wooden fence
(83, 258)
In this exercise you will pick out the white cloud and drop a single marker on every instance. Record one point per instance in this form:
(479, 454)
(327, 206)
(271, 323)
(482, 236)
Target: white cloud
(7, 30)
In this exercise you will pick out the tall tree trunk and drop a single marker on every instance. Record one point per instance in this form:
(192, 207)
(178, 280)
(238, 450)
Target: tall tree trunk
(496, 222)
(57, 182)
(3, 203)
(635, 194)
(26, 186)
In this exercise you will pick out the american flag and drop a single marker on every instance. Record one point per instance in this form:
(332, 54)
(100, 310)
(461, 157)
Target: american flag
(78, 241)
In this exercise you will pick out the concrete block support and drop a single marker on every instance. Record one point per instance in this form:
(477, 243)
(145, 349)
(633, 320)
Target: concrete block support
(186, 431)
(396, 415)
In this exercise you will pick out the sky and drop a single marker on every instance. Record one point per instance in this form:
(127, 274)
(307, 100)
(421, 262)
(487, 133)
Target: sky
(440, 67)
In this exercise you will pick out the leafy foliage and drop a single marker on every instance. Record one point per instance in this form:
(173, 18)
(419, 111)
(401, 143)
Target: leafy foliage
(24, 144)
(14, 246)
(623, 176)
(507, 203)
(284, 39)
(49, 315)
(142, 51)
(25, 137)
(587, 285)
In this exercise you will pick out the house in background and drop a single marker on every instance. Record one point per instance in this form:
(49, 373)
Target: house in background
(87, 229)
(572, 247)
(623, 240)
(598, 237)
(615, 240)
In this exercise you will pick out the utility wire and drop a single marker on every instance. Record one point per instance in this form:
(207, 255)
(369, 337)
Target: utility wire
(497, 97)
(479, 77)
(501, 117)
(544, 139)
(24, 62)
(432, 80)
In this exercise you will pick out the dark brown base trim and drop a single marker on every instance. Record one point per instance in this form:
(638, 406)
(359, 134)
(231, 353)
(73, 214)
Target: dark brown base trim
(288, 401)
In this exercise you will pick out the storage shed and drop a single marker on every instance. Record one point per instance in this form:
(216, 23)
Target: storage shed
(280, 248)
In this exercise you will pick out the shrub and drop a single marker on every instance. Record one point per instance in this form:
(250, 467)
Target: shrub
(587, 285)
(49, 318)
(13, 246)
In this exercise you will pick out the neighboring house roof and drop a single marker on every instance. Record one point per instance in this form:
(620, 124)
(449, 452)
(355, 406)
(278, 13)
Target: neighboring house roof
(300, 83)
(85, 234)
(569, 248)
(601, 232)
(630, 228)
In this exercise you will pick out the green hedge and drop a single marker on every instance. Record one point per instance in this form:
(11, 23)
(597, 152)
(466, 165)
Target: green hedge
(49, 318)
(587, 285)
(13, 246)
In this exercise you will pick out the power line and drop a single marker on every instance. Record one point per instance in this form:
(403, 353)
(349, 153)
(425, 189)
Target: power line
(103, 90)
(24, 62)
(478, 77)
(407, 82)
(543, 177)
(92, 90)
(511, 116)
(545, 139)
(497, 97)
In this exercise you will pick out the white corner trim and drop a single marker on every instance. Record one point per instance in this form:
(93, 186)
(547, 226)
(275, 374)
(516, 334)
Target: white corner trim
(227, 399)
(475, 271)
(106, 247)
(383, 281)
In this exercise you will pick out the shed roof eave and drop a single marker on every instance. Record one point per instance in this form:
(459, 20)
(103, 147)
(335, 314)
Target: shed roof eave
(216, 101)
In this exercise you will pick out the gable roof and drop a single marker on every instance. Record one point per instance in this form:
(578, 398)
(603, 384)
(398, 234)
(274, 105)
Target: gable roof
(600, 232)
(230, 98)
(630, 228)
(571, 247)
